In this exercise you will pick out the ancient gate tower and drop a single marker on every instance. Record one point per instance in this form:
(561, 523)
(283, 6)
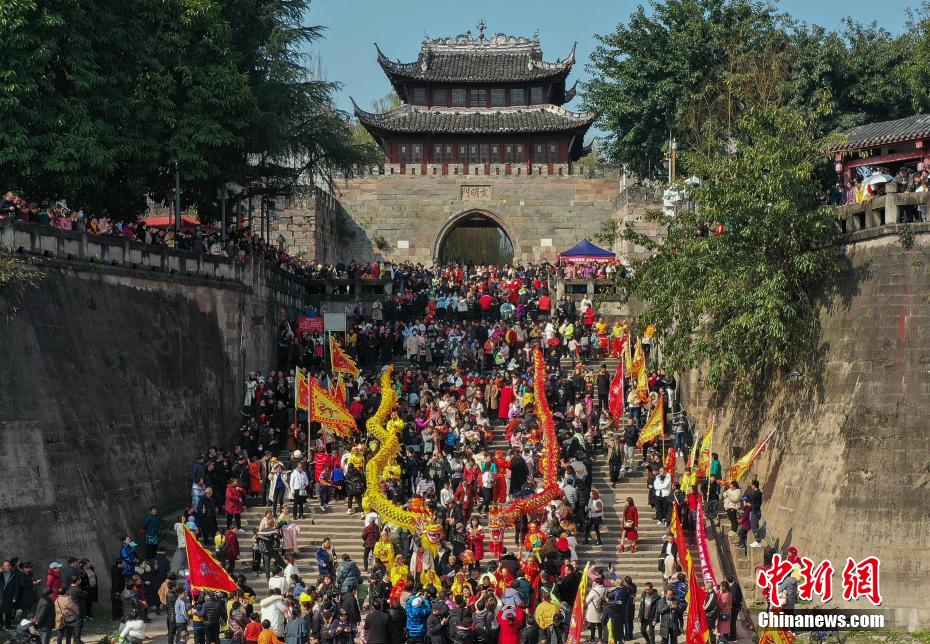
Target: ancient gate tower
(481, 140)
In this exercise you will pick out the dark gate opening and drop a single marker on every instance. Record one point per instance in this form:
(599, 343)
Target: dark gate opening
(476, 239)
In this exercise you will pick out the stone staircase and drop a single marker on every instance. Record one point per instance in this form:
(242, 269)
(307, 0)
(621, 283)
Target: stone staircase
(345, 529)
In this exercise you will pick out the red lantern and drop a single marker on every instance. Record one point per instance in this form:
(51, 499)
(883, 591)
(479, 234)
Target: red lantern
(720, 229)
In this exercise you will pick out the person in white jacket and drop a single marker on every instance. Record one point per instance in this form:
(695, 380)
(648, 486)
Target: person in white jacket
(279, 487)
(133, 631)
(662, 485)
(299, 482)
(273, 610)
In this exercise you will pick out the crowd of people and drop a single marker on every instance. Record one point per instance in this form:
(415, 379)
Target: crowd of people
(464, 379)
(242, 242)
(858, 189)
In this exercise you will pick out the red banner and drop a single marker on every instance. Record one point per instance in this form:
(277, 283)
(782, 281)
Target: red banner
(302, 391)
(549, 459)
(707, 570)
(617, 394)
(576, 625)
(340, 362)
(306, 324)
(205, 571)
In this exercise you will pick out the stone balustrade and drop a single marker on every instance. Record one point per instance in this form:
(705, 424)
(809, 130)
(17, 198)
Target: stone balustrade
(82, 248)
(884, 210)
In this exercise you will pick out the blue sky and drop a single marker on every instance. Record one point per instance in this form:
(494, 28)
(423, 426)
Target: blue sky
(347, 54)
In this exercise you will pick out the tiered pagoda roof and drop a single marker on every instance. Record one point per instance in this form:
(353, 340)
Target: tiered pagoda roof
(465, 59)
(460, 120)
(509, 61)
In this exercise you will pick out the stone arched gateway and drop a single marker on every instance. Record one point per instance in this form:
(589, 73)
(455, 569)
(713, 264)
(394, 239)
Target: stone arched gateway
(467, 216)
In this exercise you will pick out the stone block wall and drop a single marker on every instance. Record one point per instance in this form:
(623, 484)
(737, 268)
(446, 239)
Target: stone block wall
(312, 227)
(111, 381)
(848, 470)
(402, 217)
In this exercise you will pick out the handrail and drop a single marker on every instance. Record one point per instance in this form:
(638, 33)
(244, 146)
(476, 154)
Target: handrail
(880, 211)
(82, 247)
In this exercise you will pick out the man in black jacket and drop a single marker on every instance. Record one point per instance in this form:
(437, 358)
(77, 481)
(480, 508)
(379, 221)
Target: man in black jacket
(69, 572)
(376, 625)
(519, 472)
(211, 612)
(647, 613)
(669, 617)
(11, 588)
(603, 386)
(79, 597)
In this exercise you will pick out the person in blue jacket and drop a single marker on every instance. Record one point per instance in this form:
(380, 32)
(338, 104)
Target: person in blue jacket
(128, 555)
(418, 609)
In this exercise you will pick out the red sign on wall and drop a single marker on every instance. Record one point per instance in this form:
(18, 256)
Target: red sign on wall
(307, 324)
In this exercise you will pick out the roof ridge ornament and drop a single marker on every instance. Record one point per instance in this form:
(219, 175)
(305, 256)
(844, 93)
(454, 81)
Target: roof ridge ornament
(482, 25)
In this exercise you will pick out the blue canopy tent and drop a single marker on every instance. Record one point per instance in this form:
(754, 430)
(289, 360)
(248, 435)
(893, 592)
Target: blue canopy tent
(584, 252)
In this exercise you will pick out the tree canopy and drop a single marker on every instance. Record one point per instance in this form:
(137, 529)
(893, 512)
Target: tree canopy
(101, 101)
(654, 71)
(736, 285)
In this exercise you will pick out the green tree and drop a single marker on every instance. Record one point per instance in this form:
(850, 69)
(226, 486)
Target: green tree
(386, 103)
(16, 276)
(101, 101)
(646, 71)
(744, 302)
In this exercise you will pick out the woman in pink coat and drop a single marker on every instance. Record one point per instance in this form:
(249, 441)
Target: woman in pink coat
(725, 616)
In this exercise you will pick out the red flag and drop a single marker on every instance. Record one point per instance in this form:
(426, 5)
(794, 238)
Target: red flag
(205, 571)
(617, 394)
(302, 391)
(340, 362)
(670, 460)
(337, 389)
(696, 631)
(576, 625)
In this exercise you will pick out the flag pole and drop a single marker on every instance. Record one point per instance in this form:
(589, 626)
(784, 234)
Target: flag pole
(710, 460)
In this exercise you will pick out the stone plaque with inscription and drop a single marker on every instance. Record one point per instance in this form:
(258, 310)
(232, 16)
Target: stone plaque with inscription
(476, 193)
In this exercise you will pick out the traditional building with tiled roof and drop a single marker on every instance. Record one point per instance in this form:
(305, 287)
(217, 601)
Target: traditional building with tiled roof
(468, 100)
(887, 144)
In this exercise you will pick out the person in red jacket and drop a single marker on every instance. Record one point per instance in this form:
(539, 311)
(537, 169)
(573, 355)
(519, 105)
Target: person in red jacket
(484, 304)
(255, 478)
(230, 549)
(545, 304)
(234, 503)
(511, 621)
(53, 580)
(321, 461)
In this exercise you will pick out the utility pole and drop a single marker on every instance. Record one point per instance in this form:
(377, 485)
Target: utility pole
(177, 200)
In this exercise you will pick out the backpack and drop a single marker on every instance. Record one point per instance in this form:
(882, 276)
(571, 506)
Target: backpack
(221, 551)
(601, 602)
(482, 628)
